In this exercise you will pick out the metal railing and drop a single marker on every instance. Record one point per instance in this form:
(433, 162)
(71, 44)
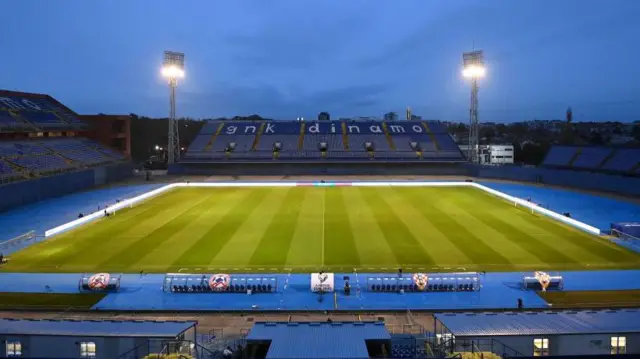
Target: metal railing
(454, 345)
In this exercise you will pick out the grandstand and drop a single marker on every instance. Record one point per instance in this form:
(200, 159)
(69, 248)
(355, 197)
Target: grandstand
(336, 141)
(42, 139)
(597, 159)
(46, 150)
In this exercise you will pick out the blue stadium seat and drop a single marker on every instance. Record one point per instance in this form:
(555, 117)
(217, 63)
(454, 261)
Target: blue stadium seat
(390, 141)
(560, 156)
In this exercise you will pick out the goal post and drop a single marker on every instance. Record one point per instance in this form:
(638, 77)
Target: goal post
(622, 235)
(14, 244)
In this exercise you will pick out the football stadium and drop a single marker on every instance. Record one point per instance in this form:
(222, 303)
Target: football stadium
(135, 237)
(379, 237)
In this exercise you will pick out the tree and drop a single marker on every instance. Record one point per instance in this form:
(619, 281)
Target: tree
(636, 132)
(324, 116)
(596, 138)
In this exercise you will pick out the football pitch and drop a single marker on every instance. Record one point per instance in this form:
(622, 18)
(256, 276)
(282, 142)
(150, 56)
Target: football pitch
(302, 229)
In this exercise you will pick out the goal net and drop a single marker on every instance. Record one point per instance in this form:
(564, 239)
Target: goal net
(622, 235)
(14, 244)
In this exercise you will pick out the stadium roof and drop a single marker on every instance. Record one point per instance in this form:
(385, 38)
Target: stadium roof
(318, 340)
(94, 328)
(542, 323)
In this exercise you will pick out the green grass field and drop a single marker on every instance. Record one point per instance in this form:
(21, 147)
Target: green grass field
(13, 301)
(335, 228)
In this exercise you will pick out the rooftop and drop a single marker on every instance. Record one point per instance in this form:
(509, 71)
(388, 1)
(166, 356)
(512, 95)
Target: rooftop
(95, 328)
(541, 323)
(318, 340)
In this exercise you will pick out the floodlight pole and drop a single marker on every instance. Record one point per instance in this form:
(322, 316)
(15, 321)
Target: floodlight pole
(474, 69)
(173, 68)
(474, 125)
(173, 148)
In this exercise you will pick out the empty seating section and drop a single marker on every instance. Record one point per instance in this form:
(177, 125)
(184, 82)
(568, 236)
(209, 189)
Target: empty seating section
(40, 156)
(623, 160)
(37, 110)
(403, 143)
(591, 157)
(7, 173)
(41, 118)
(345, 140)
(445, 142)
(311, 142)
(210, 128)
(287, 142)
(379, 142)
(560, 156)
(79, 151)
(7, 120)
(41, 163)
(436, 127)
(5, 168)
(606, 159)
(200, 142)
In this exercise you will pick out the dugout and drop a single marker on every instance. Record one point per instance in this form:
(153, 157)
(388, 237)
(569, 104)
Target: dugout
(422, 282)
(219, 283)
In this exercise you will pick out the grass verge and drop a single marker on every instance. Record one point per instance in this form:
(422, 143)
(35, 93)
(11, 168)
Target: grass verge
(592, 299)
(49, 300)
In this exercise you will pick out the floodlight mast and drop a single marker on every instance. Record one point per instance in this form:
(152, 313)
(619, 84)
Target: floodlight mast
(172, 70)
(473, 68)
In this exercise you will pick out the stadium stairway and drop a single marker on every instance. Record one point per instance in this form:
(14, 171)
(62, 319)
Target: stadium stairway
(256, 139)
(345, 138)
(16, 116)
(62, 118)
(388, 136)
(575, 157)
(301, 137)
(433, 138)
(18, 169)
(611, 155)
(213, 138)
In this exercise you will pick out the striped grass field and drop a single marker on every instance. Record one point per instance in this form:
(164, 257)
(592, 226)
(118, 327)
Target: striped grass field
(301, 229)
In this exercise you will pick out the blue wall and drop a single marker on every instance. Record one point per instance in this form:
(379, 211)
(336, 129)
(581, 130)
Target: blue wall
(568, 178)
(22, 193)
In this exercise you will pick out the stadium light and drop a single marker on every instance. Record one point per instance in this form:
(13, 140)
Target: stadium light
(172, 70)
(473, 69)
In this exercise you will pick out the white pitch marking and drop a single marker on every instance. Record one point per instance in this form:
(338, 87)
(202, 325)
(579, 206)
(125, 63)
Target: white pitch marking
(324, 194)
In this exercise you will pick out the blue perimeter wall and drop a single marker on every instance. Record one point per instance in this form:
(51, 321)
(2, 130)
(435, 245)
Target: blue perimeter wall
(26, 192)
(568, 178)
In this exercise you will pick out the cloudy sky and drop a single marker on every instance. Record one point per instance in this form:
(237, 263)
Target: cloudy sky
(290, 58)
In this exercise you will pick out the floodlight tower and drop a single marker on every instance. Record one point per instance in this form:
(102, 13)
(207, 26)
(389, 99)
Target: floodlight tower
(172, 70)
(473, 69)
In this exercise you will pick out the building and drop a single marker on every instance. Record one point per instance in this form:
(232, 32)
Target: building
(99, 339)
(542, 333)
(110, 130)
(324, 116)
(497, 154)
(390, 116)
(493, 154)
